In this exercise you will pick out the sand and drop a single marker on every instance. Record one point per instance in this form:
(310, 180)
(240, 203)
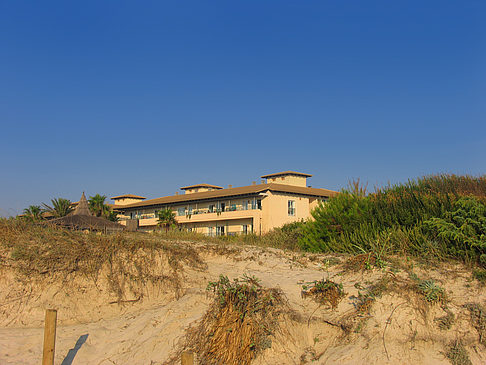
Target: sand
(400, 328)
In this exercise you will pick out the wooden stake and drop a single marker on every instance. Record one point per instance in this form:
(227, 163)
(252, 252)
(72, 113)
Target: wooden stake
(49, 337)
(187, 358)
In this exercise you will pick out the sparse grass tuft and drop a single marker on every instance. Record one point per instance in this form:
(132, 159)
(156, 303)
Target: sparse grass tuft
(324, 292)
(478, 319)
(457, 354)
(365, 261)
(446, 322)
(376, 290)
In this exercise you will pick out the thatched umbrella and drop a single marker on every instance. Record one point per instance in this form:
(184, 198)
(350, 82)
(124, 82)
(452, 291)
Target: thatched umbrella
(82, 219)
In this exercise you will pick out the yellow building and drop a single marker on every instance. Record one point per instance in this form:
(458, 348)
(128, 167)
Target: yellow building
(281, 198)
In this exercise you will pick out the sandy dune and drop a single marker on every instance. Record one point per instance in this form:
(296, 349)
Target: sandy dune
(399, 330)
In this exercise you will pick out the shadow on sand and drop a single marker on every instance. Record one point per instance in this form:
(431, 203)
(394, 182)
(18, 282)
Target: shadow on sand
(68, 360)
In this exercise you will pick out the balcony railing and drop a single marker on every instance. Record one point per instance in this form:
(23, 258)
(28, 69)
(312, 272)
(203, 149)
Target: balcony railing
(196, 212)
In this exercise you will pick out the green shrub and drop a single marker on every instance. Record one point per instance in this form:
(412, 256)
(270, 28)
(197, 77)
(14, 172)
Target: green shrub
(432, 217)
(463, 229)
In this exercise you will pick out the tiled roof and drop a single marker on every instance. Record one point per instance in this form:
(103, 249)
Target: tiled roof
(244, 190)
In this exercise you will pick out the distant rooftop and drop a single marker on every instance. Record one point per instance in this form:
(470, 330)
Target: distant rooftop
(201, 186)
(283, 173)
(128, 196)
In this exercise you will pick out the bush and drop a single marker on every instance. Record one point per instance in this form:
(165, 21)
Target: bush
(434, 216)
(463, 229)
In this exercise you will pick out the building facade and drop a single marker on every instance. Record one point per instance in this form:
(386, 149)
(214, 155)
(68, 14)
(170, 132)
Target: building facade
(281, 198)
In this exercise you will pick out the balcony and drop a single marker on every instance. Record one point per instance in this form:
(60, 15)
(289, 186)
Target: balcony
(229, 212)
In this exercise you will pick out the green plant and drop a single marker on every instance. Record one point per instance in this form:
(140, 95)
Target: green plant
(405, 218)
(463, 229)
(97, 205)
(59, 207)
(430, 291)
(33, 213)
(166, 218)
(479, 275)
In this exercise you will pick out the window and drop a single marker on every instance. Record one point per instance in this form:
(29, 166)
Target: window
(210, 231)
(189, 211)
(291, 207)
(181, 211)
(244, 228)
(220, 231)
(211, 209)
(259, 204)
(253, 204)
(245, 204)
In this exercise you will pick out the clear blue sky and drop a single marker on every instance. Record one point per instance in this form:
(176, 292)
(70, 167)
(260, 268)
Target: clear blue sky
(143, 97)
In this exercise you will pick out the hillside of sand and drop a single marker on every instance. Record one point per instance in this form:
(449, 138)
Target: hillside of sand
(384, 316)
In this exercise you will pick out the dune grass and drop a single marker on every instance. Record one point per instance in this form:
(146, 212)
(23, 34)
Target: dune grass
(39, 252)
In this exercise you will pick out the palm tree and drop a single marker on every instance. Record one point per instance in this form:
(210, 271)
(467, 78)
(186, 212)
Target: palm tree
(97, 205)
(166, 218)
(33, 213)
(60, 207)
(112, 216)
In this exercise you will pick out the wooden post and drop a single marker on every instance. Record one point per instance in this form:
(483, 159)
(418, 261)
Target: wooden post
(49, 337)
(187, 358)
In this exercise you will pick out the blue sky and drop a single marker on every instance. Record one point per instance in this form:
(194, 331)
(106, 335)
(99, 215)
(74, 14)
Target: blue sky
(143, 97)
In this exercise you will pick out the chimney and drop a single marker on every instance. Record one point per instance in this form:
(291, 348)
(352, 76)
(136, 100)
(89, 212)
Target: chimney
(263, 181)
(253, 182)
(230, 186)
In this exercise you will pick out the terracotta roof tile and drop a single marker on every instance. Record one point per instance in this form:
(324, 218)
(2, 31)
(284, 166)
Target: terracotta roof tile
(244, 190)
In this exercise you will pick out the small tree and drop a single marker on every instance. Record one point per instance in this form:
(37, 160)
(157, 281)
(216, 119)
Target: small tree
(60, 207)
(33, 213)
(166, 218)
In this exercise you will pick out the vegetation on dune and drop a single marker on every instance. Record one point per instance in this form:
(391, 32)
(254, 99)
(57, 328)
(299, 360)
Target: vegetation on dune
(128, 261)
(324, 291)
(240, 322)
(441, 215)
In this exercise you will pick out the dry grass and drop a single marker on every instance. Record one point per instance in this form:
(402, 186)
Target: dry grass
(238, 325)
(324, 292)
(364, 261)
(457, 354)
(478, 320)
(374, 291)
(128, 260)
